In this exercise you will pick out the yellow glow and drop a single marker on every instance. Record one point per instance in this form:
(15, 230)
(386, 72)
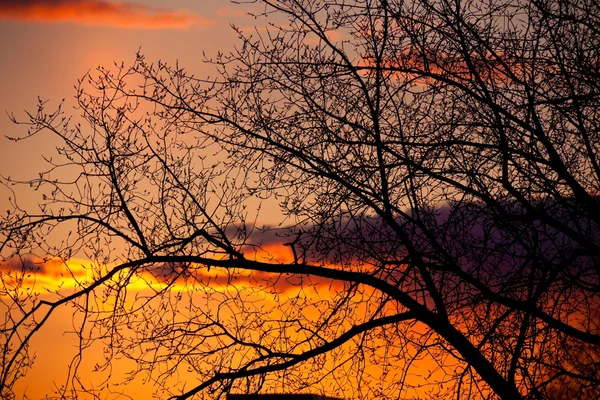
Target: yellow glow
(207, 289)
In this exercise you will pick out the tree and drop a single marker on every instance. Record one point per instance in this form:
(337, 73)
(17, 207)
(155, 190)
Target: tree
(436, 167)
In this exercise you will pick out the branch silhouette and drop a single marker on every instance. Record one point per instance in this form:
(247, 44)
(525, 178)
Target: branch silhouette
(432, 170)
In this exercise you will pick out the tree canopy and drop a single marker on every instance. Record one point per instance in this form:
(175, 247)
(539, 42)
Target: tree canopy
(430, 174)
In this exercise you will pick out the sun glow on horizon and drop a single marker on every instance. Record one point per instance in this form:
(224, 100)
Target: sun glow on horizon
(213, 290)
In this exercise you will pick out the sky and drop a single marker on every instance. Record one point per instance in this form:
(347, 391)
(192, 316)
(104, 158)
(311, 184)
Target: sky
(46, 46)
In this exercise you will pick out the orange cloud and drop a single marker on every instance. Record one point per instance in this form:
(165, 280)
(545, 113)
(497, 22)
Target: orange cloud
(100, 13)
(36, 275)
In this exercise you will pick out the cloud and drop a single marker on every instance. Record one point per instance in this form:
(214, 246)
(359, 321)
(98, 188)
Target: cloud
(100, 13)
(22, 265)
(43, 275)
(470, 234)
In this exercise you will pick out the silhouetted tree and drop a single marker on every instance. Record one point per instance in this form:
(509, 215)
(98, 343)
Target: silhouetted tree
(436, 168)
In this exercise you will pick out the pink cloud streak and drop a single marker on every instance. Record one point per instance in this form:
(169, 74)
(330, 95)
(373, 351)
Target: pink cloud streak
(100, 13)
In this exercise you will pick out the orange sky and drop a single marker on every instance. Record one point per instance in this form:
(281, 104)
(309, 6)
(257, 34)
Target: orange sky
(130, 15)
(46, 45)
(55, 344)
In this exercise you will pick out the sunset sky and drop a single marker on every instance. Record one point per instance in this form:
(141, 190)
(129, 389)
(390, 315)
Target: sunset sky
(46, 46)
(365, 200)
